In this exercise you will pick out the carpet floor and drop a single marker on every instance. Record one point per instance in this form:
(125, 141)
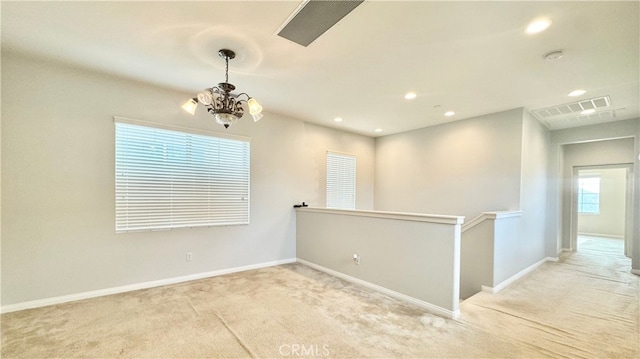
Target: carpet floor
(586, 305)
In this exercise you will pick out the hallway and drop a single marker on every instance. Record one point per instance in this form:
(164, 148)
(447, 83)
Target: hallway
(584, 305)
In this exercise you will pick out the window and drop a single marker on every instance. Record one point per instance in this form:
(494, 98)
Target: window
(170, 179)
(341, 181)
(589, 195)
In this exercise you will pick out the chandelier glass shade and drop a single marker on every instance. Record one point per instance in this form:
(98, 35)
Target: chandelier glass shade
(224, 106)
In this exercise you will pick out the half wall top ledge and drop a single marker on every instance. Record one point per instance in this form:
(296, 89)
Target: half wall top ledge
(417, 217)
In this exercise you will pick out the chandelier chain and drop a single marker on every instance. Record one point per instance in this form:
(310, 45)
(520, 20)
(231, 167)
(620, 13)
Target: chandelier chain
(226, 72)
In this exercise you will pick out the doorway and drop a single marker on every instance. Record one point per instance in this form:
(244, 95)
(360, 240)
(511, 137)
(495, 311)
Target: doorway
(601, 207)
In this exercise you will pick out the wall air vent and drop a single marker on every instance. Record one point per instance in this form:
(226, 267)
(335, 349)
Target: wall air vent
(313, 18)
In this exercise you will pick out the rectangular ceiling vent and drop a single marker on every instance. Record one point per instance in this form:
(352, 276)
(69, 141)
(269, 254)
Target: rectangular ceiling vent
(580, 120)
(313, 18)
(607, 115)
(574, 108)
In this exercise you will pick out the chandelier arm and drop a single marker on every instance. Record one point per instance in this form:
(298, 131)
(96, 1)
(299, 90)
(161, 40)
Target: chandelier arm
(243, 93)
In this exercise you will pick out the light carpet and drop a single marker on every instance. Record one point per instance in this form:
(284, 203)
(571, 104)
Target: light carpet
(586, 305)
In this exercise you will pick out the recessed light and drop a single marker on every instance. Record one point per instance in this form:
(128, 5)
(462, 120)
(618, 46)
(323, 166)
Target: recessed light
(338, 119)
(588, 111)
(410, 95)
(449, 113)
(538, 25)
(576, 93)
(378, 130)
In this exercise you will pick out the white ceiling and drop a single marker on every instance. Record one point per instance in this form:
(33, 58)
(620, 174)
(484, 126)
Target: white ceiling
(473, 58)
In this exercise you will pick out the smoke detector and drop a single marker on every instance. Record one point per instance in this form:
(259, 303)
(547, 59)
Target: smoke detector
(553, 55)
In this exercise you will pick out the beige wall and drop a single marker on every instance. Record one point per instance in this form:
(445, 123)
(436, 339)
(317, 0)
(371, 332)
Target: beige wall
(532, 241)
(495, 162)
(461, 168)
(417, 256)
(58, 231)
(319, 140)
(611, 219)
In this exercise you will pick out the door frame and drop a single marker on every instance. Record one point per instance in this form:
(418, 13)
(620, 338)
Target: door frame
(628, 222)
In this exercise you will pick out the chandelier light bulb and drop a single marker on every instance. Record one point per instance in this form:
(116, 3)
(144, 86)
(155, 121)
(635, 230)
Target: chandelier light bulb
(190, 105)
(205, 97)
(254, 106)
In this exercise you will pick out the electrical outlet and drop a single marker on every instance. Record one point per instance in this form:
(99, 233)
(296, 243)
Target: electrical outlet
(356, 258)
(189, 256)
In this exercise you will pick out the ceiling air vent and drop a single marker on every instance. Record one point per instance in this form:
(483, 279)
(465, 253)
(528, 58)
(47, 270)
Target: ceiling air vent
(571, 114)
(607, 115)
(574, 108)
(313, 18)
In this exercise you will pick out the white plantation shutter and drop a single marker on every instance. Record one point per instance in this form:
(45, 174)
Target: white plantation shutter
(170, 179)
(341, 181)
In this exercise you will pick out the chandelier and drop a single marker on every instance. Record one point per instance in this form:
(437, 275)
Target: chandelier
(221, 103)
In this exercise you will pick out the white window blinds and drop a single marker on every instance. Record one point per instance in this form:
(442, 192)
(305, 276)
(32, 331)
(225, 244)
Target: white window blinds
(341, 181)
(170, 179)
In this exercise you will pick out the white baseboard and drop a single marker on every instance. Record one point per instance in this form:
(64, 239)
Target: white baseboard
(635, 271)
(425, 305)
(517, 276)
(131, 287)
